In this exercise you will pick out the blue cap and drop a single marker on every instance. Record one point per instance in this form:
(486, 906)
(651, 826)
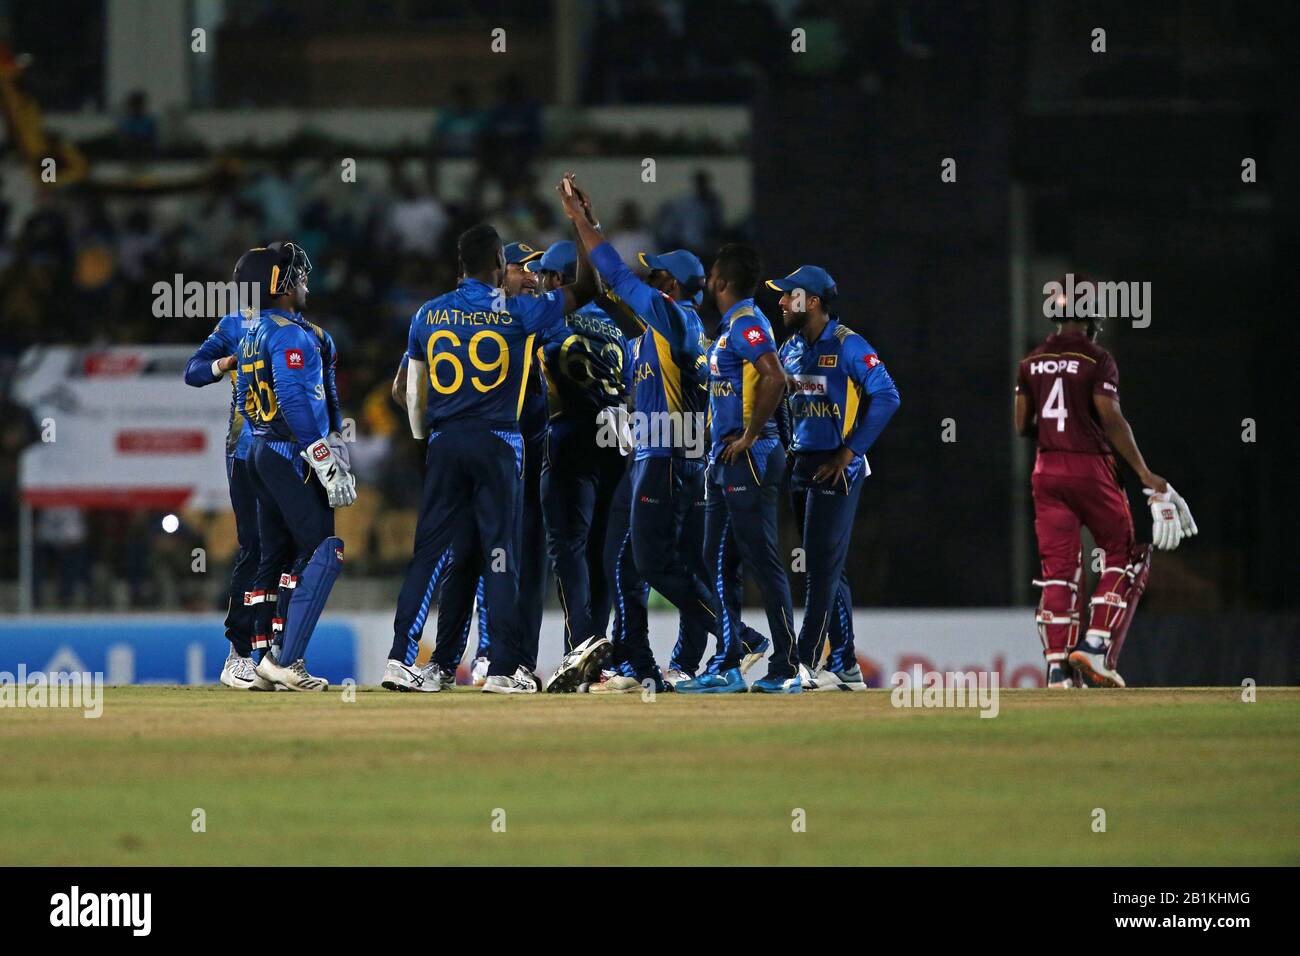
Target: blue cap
(561, 257)
(519, 253)
(683, 266)
(814, 280)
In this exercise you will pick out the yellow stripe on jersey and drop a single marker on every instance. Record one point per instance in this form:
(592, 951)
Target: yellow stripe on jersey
(623, 307)
(748, 386)
(523, 381)
(852, 398)
(671, 374)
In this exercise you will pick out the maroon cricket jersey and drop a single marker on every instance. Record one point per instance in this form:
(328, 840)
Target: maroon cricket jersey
(1060, 377)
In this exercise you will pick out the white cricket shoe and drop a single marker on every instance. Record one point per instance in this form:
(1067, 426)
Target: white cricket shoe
(478, 671)
(1090, 667)
(580, 666)
(617, 684)
(673, 676)
(522, 681)
(397, 676)
(261, 683)
(238, 672)
(820, 679)
(293, 677)
(852, 678)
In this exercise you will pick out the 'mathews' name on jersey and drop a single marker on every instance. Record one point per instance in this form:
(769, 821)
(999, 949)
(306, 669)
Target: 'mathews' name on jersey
(460, 317)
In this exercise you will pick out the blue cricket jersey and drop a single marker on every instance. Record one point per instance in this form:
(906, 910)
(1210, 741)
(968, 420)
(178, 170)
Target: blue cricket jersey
(841, 394)
(667, 359)
(478, 359)
(222, 341)
(744, 337)
(285, 383)
(585, 364)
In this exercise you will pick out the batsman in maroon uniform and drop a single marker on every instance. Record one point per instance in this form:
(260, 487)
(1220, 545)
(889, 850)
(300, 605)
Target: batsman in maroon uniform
(1067, 396)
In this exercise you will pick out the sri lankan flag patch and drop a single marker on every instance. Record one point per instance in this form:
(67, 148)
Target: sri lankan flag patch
(827, 361)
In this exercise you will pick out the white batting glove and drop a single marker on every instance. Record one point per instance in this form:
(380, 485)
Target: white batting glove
(340, 486)
(1166, 530)
(1185, 519)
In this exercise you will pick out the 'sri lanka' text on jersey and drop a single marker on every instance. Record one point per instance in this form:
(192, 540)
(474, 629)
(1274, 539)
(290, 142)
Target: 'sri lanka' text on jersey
(831, 378)
(669, 371)
(477, 346)
(285, 379)
(1060, 378)
(744, 337)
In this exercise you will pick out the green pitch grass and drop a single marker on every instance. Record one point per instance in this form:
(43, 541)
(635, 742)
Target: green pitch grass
(1184, 777)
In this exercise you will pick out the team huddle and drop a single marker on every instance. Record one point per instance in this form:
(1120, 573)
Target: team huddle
(579, 418)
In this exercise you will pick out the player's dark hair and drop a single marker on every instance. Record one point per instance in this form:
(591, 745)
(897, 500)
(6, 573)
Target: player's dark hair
(739, 266)
(478, 248)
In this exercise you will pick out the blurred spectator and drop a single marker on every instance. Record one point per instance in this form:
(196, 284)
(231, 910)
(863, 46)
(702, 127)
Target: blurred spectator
(693, 221)
(137, 245)
(416, 219)
(512, 134)
(17, 431)
(274, 197)
(457, 130)
(137, 130)
(62, 557)
(629, 235)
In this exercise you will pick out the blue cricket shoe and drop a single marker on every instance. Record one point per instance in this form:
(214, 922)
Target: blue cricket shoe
(778, 685)
(728, 682)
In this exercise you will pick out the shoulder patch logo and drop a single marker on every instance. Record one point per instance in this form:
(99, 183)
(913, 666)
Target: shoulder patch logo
(872, 360)
(755, 335)
(828, 361)
(293, 358)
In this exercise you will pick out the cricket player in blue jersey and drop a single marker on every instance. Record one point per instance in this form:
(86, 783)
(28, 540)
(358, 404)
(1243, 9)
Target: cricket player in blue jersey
(211, 362)
(667, 472)
(746, 468)
(285, 384)
(841, 398)
(470, 354)
(586, 367)
(461, 589)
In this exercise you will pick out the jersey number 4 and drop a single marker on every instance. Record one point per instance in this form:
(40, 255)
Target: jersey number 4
(1054, 407)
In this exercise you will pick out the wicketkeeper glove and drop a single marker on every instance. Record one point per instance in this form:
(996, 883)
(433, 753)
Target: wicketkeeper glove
(340, 486)
(340, 449)
(1171, 518)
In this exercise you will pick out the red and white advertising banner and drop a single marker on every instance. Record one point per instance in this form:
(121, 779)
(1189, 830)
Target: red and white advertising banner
(121, 429)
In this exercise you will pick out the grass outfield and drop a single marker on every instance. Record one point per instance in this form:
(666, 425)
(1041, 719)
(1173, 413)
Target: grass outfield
(1185, 776)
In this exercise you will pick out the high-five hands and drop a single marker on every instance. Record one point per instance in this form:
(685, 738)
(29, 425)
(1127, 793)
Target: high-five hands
(573, 199)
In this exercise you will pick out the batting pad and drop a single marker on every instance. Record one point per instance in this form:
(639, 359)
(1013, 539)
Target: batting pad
(309, 597)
